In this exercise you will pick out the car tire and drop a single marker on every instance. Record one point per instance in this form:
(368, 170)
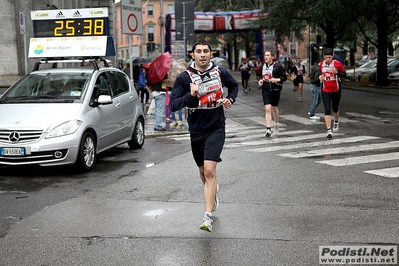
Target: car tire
(138, 135)
(87, 152)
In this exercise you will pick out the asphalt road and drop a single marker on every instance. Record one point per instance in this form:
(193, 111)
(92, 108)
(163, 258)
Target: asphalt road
(279, 204)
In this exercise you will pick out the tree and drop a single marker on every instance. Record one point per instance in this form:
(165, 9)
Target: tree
(294, 15)
(383, 17)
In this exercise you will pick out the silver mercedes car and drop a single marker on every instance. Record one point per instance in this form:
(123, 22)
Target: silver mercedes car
(66, 116)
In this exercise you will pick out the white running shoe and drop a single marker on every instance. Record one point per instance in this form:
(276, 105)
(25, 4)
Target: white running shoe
(329, 134)
(276, 129)
(206, 223)
(336, 126)
(268, 133)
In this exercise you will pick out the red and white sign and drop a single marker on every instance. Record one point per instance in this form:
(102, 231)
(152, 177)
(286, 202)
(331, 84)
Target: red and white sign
(132, 17)
(203, 22)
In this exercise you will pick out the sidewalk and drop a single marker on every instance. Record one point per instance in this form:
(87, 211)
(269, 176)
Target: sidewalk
(346, 85)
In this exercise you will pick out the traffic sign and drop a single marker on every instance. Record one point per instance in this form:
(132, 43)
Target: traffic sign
(132, 17)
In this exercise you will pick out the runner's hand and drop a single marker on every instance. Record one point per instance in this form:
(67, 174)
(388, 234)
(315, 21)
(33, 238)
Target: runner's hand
(227, 103)
(193, 89)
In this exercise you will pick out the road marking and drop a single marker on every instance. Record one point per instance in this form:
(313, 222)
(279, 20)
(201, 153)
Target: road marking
(314, 144)
(274, 140)
(387, 172)
(300, 119)
(329, 151)
(307, 121)
(362, 159)
(368, 117)
(233, 124)
(261, 120)
(260, 134)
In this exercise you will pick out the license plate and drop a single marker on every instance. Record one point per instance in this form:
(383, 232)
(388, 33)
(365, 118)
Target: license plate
(12, 151)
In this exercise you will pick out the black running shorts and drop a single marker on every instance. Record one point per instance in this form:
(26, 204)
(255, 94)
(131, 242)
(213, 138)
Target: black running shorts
(207, 146)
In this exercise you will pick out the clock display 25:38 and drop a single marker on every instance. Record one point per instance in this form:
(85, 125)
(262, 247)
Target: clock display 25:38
(70, 27)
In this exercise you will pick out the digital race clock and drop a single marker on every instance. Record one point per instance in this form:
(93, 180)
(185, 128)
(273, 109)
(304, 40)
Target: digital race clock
(70, 22)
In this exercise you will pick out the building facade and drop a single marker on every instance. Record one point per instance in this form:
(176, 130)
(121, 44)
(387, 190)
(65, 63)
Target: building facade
(150, 43)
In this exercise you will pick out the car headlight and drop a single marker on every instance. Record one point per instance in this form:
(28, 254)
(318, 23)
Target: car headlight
(66, 128)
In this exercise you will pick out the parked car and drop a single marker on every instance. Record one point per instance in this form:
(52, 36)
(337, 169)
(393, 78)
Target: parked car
(392, 65)
(66, 116)
(355, 73)
(394, 76)
(365, 59)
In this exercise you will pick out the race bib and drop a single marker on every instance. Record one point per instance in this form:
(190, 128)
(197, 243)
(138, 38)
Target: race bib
(210, 91)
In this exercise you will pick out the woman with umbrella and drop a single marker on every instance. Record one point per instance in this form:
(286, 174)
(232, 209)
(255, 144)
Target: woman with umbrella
(157, 73)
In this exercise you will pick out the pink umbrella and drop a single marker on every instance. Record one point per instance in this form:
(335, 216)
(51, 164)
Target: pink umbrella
(159, 68)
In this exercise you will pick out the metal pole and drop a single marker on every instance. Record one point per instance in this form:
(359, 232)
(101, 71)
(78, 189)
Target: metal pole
(130, 56)
(25, 47)
(162, 24)
(184, 30)
(310, 53)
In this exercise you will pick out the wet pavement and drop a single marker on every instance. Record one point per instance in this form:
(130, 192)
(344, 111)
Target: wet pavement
(270, 214)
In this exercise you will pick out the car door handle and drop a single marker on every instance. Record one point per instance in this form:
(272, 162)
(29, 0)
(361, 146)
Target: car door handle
(131, 97)
(117, 105)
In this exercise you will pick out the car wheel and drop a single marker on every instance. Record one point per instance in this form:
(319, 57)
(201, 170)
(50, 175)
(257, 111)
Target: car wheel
(138, 135)
(87, 152)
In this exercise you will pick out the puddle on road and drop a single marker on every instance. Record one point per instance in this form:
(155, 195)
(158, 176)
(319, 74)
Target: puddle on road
(154, 213)
(149, 165)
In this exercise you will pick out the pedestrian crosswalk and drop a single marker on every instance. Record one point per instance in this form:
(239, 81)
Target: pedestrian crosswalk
(310, 143)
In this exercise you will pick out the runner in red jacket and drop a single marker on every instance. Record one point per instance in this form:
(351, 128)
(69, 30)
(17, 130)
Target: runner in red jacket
(331, 72)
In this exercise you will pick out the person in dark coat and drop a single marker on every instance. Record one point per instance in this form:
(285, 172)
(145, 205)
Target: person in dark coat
(200, 88)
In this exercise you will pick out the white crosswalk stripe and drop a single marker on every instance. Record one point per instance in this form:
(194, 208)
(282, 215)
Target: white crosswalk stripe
(387, 172)
(362, 159)
(367, 117)
(255, 137)
(365, 147)
(307, 144)
(306, 121)
(314, 144)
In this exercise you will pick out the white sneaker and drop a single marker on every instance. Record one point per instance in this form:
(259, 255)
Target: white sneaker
(336, 127)
(276, 129)
(268, 133)
(206, 223)
(329, 134)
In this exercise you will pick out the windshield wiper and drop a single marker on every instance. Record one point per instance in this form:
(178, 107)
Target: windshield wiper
(29, 98)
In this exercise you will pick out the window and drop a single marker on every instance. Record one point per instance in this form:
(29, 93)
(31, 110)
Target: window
(121, 85)
(150, 33)
(102, 86)
(150, 10)
(170, 8)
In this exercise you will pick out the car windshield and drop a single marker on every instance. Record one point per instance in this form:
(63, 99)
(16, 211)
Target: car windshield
(369, 64)
(48, 87)
(392, 61)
